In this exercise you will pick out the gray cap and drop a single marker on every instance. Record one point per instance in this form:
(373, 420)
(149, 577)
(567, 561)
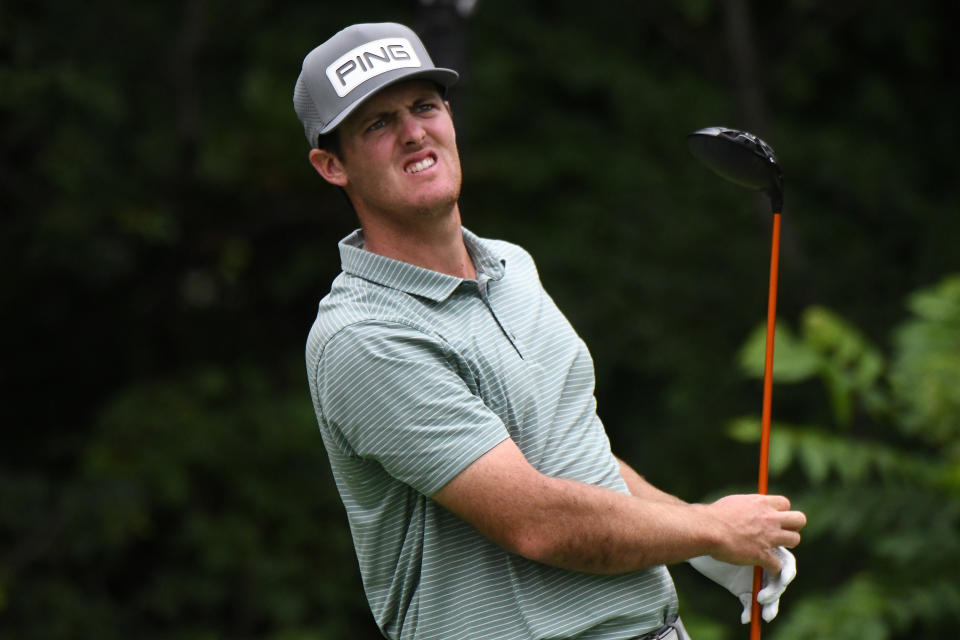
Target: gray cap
(343, 72)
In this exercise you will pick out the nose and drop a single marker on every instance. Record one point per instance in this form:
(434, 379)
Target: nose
(411, 132)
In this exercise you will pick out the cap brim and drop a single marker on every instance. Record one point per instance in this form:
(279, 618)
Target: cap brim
(444, 77)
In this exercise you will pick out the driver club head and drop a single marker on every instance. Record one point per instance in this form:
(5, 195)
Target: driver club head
(741, 158)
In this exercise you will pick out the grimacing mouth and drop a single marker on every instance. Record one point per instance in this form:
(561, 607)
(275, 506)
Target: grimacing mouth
(416, 166)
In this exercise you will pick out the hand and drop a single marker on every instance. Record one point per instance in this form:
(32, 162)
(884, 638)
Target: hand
(748, 528)
(738, 580)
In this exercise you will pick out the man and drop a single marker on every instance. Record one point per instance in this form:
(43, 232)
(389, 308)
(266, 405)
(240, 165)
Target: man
(456, 402)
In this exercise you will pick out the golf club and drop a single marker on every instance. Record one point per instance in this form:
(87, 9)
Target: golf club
(748, 161)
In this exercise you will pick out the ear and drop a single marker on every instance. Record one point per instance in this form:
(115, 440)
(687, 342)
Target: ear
(329, 166)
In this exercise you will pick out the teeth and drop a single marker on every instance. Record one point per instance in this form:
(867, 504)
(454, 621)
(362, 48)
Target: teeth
(420, 166)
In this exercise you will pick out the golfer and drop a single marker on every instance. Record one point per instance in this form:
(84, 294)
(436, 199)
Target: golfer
(456, 402)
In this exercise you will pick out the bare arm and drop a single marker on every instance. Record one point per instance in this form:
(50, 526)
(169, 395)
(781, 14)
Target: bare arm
(640, 488)
(582, 527)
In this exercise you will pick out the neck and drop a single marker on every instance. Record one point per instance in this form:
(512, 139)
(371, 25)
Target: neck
(434, 243)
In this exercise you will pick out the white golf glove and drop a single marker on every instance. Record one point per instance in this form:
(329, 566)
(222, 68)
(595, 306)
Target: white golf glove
(738, 580)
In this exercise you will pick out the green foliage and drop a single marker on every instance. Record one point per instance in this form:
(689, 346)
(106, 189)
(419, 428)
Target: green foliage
(867, 606)
(881, 484)
(926, 373)
(824, 455)
(206, 505)
(829, 348)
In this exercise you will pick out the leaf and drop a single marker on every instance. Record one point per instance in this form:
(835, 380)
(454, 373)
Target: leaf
(851, 364)
(744, 429)
(816, 462)
(747, 431)
(925, 374)
(781, 451)
(793, 360)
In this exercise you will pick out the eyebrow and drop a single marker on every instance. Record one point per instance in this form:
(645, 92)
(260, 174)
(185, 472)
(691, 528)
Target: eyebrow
(372, 117)
(426, 96)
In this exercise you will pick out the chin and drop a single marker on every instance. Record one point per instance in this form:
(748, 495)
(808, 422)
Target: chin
(435, 209)
(439, 204)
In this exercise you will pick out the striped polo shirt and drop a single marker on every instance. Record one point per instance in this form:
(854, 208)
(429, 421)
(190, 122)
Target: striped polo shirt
(415, 374)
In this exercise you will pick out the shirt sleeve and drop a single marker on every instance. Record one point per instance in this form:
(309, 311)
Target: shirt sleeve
(398, 396)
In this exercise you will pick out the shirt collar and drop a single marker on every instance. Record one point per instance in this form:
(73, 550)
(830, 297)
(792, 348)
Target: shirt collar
(412, 279)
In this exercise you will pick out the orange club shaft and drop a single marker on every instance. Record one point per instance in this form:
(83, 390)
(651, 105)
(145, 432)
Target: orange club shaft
(767, 403)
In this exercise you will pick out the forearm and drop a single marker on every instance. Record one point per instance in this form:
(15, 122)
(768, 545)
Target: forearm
(592, 529)
(577, 526)
(573, 525)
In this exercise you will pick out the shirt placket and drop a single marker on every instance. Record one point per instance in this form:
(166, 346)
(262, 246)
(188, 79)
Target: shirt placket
(483, 288)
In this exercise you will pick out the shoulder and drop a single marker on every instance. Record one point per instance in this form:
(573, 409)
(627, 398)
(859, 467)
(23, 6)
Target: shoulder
(359, 312)
(506, 248)
(357, 304)
(514, 257)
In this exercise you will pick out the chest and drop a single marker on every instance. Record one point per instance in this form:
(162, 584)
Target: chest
(521, 356)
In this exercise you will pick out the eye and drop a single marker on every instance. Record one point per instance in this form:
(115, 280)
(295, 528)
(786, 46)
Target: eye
(424, 107)
(379, 124)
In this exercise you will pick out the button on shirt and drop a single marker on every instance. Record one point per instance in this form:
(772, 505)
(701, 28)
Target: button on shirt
(415, 374)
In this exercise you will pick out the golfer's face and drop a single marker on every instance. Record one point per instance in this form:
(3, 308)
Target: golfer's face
(400, 153)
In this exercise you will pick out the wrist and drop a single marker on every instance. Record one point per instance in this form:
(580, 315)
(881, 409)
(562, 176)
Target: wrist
(709, 539)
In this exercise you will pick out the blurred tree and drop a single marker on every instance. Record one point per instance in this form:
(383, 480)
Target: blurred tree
(879, 478)
(201, 509)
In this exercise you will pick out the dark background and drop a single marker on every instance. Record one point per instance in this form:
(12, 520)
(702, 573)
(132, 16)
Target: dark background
(165, 242)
